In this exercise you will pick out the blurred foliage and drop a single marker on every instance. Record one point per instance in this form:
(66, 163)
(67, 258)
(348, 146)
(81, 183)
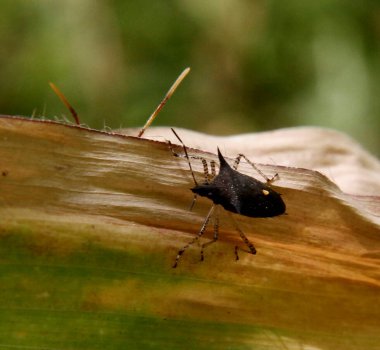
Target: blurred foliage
(256, 65)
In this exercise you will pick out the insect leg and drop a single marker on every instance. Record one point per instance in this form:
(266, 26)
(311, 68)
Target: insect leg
(237, 162)
(205, 169)
(207, 175)
(196, 238)
(213, 172)
(268, 180)
(247, 242)
(216, 233)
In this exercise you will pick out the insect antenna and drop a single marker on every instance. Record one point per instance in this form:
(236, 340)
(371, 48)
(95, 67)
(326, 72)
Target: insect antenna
(186, 155)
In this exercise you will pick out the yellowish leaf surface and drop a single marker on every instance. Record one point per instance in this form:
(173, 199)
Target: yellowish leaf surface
(91, 223)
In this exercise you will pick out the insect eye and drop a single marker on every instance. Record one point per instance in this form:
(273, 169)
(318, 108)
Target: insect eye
(265, 192)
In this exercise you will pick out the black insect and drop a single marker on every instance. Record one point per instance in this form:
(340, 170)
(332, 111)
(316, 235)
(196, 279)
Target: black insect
(236, 193)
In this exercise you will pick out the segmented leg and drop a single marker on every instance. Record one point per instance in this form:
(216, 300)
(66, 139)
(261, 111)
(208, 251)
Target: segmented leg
(196, 238)
(205, 169)
(247, 242)
(207, 176)
(216, 233)
(237, 162)
(213, 171)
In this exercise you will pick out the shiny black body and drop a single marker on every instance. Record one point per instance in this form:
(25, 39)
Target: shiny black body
(241, 194)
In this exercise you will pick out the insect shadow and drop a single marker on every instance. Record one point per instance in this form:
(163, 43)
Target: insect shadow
(235, 192)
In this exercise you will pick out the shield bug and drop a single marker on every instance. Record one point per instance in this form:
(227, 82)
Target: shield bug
(236, 193)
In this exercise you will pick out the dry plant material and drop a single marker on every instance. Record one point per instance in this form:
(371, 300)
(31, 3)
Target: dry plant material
(163, 102)
(64, 100)
(90, 222)
(150, 120)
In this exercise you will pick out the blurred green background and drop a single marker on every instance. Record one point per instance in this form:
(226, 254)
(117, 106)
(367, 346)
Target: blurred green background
(256, 64)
